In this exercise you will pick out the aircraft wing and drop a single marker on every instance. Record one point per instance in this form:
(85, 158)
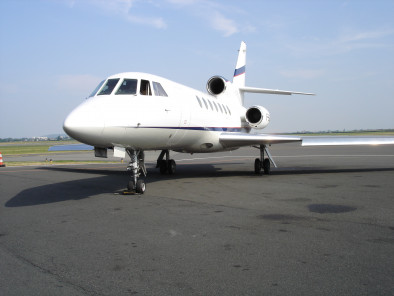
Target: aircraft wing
(346, 140)
(245, 139)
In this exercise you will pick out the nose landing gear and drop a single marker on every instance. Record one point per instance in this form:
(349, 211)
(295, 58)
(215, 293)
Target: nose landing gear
(137, 168)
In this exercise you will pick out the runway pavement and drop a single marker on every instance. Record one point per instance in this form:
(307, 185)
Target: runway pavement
(320, 224)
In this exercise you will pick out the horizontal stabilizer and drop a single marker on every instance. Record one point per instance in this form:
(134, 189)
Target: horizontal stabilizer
(272, 91)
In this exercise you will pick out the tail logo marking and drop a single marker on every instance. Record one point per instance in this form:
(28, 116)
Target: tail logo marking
(239, 71)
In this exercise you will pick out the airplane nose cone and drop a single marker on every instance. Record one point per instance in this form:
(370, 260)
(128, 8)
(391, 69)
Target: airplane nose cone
(84, 124)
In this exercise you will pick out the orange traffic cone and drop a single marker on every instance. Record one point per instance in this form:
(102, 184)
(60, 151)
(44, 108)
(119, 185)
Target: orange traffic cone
(1, 161)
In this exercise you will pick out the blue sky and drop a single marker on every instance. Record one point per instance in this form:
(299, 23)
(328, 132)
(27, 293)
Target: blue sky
(54, 52)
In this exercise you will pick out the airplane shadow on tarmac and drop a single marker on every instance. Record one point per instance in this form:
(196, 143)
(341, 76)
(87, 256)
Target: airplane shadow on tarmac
(68, 190)
(109, 181)
(114, 181)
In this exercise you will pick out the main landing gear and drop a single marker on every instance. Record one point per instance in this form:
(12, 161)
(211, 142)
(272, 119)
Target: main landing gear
(166, 165)
(137, 168)
(263, 163)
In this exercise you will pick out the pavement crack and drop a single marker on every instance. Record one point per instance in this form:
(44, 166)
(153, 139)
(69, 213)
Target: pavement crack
(47, 271)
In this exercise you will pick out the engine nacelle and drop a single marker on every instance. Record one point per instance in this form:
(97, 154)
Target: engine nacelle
(257, 117)
(216, 85)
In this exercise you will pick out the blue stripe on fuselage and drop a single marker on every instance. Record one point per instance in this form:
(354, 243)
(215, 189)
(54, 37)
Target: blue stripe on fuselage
(210, 129)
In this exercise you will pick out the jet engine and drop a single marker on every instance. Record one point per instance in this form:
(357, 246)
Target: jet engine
(257, 117)
(216, 85)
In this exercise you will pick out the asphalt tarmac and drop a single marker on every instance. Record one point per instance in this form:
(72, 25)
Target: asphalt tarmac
(321, 224)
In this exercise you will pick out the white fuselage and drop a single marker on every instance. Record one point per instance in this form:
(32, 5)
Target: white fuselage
(185, 120)
(132, 112)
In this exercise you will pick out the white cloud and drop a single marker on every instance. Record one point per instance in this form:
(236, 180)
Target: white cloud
(367, 35)
(222, 24)
(117, 6)
(156, 22)
(357, 40)
(69, 3)
(79, 83)
(183, 2)
(343, 43)
(214, 14)
(302, 73)
(123, 9)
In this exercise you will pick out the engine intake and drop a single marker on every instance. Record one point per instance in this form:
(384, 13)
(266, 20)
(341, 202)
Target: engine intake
(257, 117)
(216, 85)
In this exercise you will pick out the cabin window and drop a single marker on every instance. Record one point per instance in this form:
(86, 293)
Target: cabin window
(108, 87)
(210, 104)
(159, 90)
(96, 89)
(145, 88)
(128, 87)
(216, 107)
(199, 101)
(205, 103)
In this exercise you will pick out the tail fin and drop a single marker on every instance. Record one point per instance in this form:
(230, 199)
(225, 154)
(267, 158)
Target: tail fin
(239, 80)
(239, 73)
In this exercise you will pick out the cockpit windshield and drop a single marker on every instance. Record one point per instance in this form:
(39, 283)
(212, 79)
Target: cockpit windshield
(159, 90)
(128, 87)
(96, 89)
(145, 88)
(108, 87)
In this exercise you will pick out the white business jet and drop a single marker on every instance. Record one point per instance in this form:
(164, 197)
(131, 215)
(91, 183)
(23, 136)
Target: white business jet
(134, 112)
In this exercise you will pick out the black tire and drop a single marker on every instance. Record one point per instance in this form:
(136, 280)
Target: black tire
(140, 187)
(171, 167)
(130, 185)
(267, 166)
(257, 166)
(163, 167)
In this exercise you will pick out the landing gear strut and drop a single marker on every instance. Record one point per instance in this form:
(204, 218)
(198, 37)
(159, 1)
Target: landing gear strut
(263, 163)
(136, 167)
(166, 165)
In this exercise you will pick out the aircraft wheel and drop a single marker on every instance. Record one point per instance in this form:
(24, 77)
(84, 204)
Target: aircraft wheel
(130, 185)
(140, 187)
(163, 167)
(267, 166)
(171, 167)
(257, 166)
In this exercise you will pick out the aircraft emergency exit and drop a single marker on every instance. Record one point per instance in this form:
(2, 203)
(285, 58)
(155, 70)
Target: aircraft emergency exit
(135, 112)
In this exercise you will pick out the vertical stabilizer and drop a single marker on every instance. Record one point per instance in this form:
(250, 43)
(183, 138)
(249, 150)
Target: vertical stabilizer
(239, 73)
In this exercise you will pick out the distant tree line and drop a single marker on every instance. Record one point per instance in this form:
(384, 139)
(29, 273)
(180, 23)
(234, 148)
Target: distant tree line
(35, 139)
